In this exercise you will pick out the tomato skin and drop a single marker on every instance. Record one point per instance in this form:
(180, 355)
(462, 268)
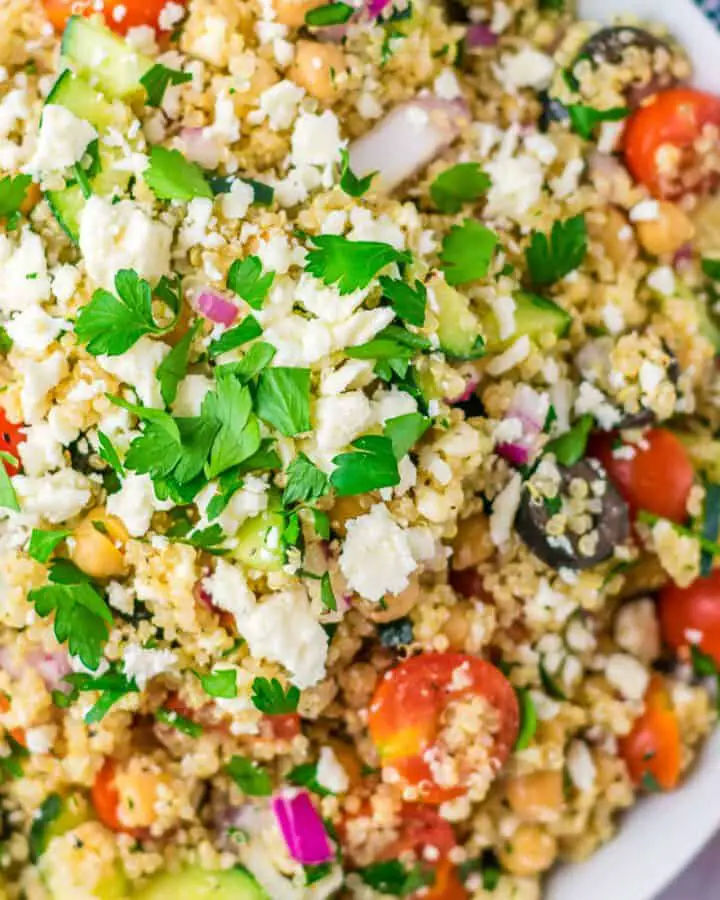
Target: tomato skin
(653, 745)
(674, 117)
(284, 727)
(657, 478)
(106, 799)
(11, 436)
(405, 713)
(137, 12)
(693, 608)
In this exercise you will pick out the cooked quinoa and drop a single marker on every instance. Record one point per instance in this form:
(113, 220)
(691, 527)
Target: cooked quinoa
(357, 409)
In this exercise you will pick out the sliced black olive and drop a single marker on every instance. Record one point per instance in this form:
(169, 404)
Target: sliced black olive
(609, 44)
(552, 110)
(396, 634)
(610, 523)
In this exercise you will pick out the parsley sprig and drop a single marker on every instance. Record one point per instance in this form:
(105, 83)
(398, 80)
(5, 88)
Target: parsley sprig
(271, 698)
(467, 251)
(460, 184)
(351, 265)
(349, 181)
(157, 79)
(13, 190)
(172, 177)
(551, 259)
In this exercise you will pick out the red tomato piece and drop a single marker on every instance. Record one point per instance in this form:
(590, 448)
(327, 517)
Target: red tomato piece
(120, 15)
(406, 712)
(11, 436)
(652, 749)
(695, 608)
(669, 124)
(284, 727)
(657, 478)
(106, 799)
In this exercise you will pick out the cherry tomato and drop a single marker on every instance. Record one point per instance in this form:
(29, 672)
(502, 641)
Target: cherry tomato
(658, 476)
(406, 712)
(284, 727)
(120, 15)
(652, 749)
(106, 799)
(11, 436)
(672, 121)
(694, 608)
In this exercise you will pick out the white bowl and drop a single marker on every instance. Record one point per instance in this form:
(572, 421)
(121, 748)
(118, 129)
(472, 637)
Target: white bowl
(663, 833)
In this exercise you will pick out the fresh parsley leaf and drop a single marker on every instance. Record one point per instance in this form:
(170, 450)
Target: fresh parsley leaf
(349, 182)
(316, 873)
(711, 525)
(329, 14)
(220, 683)
(703, 665)
(178, 722)
(486, 866)
(370, 467)
(584, 119)
(172, 177)
(305, 775)
(206, 538)
(321, 523)
(112, 325)
(408, 302)
(173, 368)
(82, 616)
(570, 447)
(11, 765)
(269, 696)
(42, 543)
(291, 535)
(467, 251)
(711, 268)
(12, 196)
(283, 399)
(263, 194)
(156, 81)
(327, 596)
(112, 685)
(257, 358)
(245, 278)
(305, 482)
(238, 432)
(460, 184)
(5, 341)
(557, 5)
(8, 497)
(528, 719)
(108, 453)
(405, 431)
(251, 778)
(391, 357)
(391, 877)
(246, 331)
(350, 264)
(550, 260)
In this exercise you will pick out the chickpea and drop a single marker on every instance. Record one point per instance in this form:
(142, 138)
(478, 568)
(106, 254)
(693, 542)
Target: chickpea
(535, 797)
(317, 67)
(615, 236)
(346, 508)
(95, 549)
(292, 12)
(668, 232)
(529, 852)
(394, 606)
(457, 626)
(138, 789)
(472, 544)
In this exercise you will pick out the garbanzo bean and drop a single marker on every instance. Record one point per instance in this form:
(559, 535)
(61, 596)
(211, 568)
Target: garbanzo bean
(615, 236)
(537, 796)
(529, 852)
(346, 508)
(292, 12)
(95, 549)
(394, 606)
(472, 544)
(668, 232)
(317, 68)
(138, 791)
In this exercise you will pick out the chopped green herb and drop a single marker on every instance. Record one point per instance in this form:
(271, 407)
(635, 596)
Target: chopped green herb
(251, 778)
(570, 447)
(8, 497)
(108, 453)
(237, 437)
(43, 543)
(257, 358)
(467, 251)
(528, 719)
(651, 519)
(408, 302)
(584, 119)
(220, 683)
(157, 79)
(283, 399)
(711, 268)
(487, 866)
(550, 260)
(329, 14)
(178, 722)
(704, 666)
(391, 877)
(172, 177)
(13, 191)
(371, 466)
(246, 331)
(305, 775)
(112, 325)
(11, 765)
(557, 5)
(650, 783)
(321, 524)
(305, 482)
(112, 685)
(326, 593)
(460, 184)
(405, 431)
(173, 368)
(350, 264)
(206, 538)
(313, 874)
(549, 684)
(349, 182)
(711, 525)
(5, 341)
(269, 696)
(245, 278)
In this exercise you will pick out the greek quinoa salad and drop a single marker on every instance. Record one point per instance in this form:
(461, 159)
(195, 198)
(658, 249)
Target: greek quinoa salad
(359, 480)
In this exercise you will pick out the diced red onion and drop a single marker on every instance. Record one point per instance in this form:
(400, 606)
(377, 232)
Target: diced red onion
(480, 36)
(376, 7)
(684, 255)
(467, 393)
(52, 667)
(201, 146)
(216, 308)
(530, 409)
(302, 828)
(409, 137)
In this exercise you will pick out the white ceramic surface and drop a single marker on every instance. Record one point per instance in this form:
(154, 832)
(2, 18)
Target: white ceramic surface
(663, 833)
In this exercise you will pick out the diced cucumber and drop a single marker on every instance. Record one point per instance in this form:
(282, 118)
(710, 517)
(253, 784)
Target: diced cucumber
(194, 883)
(259, 542)
(534, 317)
(56, 816)
(459, 328)
(83, 101)
(104, 59)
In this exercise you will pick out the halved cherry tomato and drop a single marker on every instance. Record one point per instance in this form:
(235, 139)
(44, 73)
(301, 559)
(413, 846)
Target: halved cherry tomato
(652, 749)
(672, 121)
(11, 436)
(695, 608)
(106, 799)
(658, 476)
(284, 727)
(405, 714)
(120, 15)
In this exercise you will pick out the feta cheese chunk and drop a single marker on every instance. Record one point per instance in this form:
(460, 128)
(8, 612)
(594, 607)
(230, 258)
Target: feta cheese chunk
(145, 664)
(62, 141)
(24, 277)
(34, 330)
(137, 367)
(135, 503)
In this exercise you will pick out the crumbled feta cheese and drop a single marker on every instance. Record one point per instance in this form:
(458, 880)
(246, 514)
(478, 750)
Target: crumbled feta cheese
(235, 204)
(592, 400)
(542, 147)
(516, 353)
(279, 105)
(637, 629)
(142, 39)
(325, 301)
(65, 280)
(40, 738)
(316, 139)
(135, 503)
(137, 367)
(338, 421)
(41, 452)
(528, 68)
(504, 510)
(144, 664)
(366, 227)
(62, 140)
(645, 211)
(38, 380)
(567, 183)
(244, 504)
(581, 766)
(651, 377)
(629, 676)
(34, 330)
(122, 236)
(278, 254)
(191, 393)
(55, 498)
(170, 15)
(516, 185)
(662, 280)
(330, 774)
(446, 85)
(121, 597)
(503, 307)
(613, 318)
(228, 590)
(391, 404)
(23, 272)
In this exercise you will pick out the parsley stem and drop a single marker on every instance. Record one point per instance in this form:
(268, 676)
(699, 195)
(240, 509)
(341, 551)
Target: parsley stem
(648, 518)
